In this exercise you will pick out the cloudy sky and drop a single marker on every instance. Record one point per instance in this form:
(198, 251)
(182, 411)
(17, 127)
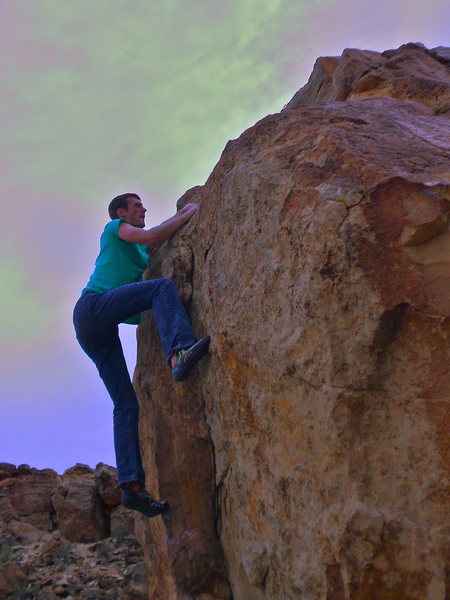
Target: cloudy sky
(105, 96)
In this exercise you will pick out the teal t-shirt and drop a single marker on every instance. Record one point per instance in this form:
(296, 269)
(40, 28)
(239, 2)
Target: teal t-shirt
(118, 263)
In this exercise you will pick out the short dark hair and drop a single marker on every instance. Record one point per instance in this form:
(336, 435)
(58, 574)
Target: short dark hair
(120, 202)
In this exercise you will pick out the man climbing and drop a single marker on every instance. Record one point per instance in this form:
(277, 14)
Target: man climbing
(116, 294)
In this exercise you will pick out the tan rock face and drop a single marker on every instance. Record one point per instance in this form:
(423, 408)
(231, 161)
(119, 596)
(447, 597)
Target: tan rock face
(107, 485)
(412, 73)
(314, 439)
(28, 492)
(78, 506)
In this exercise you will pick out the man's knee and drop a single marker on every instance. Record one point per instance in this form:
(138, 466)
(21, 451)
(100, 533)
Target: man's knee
(166, 283)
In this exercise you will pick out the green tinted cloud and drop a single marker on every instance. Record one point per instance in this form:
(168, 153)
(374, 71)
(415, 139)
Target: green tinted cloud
(146, 91)
(24, 316)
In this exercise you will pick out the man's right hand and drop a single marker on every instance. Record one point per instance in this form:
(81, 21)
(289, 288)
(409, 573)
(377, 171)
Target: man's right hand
(190, 208)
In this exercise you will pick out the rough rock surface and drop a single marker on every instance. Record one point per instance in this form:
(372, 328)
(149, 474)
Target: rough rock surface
(78, 506)
(309, 453)
(67, 537)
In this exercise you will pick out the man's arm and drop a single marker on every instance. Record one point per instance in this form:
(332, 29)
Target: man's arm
(155, 236)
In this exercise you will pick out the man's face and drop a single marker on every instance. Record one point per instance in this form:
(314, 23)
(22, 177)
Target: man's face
(134, 214)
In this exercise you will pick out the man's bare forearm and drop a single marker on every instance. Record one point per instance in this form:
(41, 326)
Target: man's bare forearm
(155, 236)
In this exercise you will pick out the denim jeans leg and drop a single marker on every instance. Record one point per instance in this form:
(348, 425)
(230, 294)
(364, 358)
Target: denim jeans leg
(114, 373)
(96, 318)
(105, 349)
(173, 324)
(159, 295)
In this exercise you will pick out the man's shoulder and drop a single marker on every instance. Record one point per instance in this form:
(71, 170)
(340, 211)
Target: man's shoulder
(112, 227)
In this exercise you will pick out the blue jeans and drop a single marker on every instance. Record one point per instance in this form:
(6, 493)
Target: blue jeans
(96, 318)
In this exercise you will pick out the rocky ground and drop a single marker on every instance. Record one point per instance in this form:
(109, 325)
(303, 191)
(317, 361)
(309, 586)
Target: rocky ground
(67, 536)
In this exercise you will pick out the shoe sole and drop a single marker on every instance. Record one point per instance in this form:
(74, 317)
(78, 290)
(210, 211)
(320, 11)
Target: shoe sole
(147, 511)
(194, 354)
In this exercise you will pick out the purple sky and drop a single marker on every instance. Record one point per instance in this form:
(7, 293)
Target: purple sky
(113, 96)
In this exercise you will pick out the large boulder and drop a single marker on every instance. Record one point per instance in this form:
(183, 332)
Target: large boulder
(412, 73)
(107, 485)
(28, 492)
(7, 470)
(78, 506)
(309, 452)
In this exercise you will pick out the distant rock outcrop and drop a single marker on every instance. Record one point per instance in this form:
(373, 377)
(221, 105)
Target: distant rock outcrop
(307, 457)
(67, 536)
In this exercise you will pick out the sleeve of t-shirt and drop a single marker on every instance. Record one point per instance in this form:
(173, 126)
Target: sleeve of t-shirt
(113, 227)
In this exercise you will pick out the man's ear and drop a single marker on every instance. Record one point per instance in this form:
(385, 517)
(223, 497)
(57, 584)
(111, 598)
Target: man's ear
(120, 213)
